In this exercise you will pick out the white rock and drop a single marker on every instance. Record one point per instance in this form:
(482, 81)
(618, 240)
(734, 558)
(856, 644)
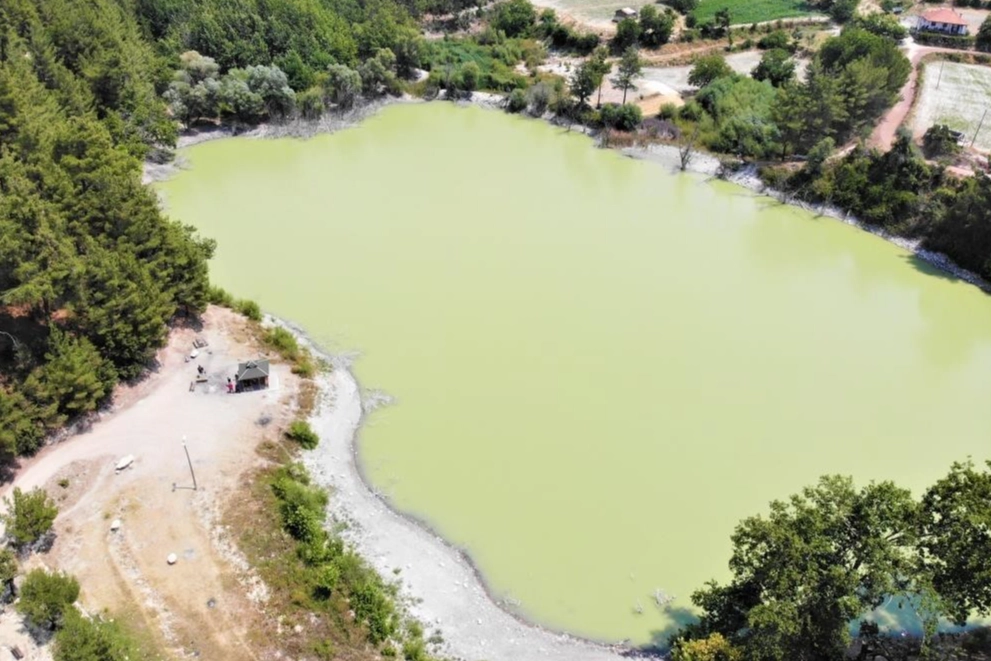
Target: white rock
(172, 559)
(125, 462)
(115, 525)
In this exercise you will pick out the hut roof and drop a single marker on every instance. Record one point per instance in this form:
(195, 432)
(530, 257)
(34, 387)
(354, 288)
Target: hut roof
(253, 369)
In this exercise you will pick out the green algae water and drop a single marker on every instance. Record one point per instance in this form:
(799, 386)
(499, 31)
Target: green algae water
(599, 367)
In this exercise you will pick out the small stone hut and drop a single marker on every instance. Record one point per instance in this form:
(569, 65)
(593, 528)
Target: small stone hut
(252, 375)
(624, 13)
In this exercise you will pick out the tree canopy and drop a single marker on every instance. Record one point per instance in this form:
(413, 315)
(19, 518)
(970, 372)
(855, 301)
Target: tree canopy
(833, 553)
(91, 271)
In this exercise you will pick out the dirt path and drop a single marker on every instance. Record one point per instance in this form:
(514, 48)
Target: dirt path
(200, 605)
(884, 133)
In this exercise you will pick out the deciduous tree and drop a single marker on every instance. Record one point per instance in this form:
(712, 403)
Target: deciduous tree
(707, 69)
(583, 82)
(776, 67)
(630, 68)
(817, 561)
(956, 539)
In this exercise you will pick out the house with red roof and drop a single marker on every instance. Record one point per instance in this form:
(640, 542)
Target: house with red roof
(944, 20)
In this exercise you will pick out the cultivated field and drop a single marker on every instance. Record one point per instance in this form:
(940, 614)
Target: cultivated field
(753, 11)
(963, 95)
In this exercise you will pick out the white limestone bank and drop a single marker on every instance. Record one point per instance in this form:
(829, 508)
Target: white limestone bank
(441, 587)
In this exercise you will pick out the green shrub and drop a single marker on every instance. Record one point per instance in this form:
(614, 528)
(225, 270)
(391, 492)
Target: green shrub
(373, 607)
(8, 567)
(514, 17)
(29, 516)
(219, 296)
(668, 111)
(45, 598)
(939, 141)
(304, 365)
(301, 506)
(944, 40)
(82, 639)
(301, 432)
(328, 578)
(625, 117)
(415, 650)
(310, 103)
(691, 111)
(516, 102)
(282, 341)
(249, 309)
(776, 39)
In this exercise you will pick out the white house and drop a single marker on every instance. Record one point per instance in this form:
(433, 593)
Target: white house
(943, 19)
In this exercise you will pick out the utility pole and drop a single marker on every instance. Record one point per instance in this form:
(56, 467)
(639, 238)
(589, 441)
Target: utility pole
(979, 125)
(190, 462)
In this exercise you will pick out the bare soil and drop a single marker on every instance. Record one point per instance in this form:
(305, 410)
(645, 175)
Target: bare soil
(206, 603)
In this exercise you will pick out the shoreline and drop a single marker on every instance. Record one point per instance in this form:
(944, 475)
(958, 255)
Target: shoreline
(440, 585)
(666, 155)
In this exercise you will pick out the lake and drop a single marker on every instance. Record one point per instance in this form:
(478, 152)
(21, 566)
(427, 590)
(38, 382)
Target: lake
(598, 366)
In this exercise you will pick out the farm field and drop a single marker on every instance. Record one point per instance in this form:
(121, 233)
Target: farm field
(964, 94)
(597, 13)
(753, 11)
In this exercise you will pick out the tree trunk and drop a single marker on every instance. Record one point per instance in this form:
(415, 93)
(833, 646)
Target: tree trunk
(624, 94)
(598, 101)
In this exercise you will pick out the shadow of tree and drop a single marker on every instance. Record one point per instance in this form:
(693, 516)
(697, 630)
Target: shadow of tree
(660, 639)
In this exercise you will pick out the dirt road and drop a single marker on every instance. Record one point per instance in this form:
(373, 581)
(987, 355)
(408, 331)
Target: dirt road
(883, 135)
(201, 605)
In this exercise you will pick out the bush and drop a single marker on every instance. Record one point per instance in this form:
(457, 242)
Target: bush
(514, 17)
(374, 608)
(8, 568)
(939, 141)
(45, 598)
(881, 24)
(691, 111)
(707, 69)
(944, 40)
(683, 6)
(82, 639)
(29, 516)
(219, 296)
(249, 309)
(539, 98)
(622, 117)
(301, 432)
(668, 111)
(310, 103)
(983, 40)
(627, 35)
(282, 341)
(776, 39)
(301, 507)
(516, 102)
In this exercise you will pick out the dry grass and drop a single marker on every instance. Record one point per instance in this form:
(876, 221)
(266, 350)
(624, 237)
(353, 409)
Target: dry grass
(291, 625)
(960, 101)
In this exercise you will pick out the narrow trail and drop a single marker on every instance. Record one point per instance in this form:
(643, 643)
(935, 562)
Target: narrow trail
(884, 133)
